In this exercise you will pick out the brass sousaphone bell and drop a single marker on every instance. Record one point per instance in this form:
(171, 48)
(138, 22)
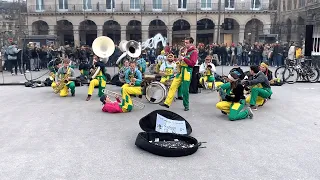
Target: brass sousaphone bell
(103, 47)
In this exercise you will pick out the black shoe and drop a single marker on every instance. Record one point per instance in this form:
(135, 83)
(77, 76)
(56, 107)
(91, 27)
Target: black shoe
(186, 109)
(72, 94)
(164, 105)
(180, 98)
(253, 107)
(224, 112)
(88, 98)
(152, 99)
(140, 96)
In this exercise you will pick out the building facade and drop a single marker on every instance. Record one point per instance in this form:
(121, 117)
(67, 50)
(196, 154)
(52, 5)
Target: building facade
(11, 21)
(294, 16)
(207, 21)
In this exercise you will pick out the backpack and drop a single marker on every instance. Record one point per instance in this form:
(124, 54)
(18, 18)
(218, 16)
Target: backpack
(239, 72)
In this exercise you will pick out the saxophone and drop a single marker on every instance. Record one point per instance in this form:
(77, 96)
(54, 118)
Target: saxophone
(183, 52)
(63, 82)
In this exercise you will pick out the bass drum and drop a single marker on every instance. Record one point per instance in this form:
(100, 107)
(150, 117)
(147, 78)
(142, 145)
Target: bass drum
(156, 92)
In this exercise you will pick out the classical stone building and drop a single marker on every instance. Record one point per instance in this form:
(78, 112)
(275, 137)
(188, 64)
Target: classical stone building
(82, 21)
(10, 21)
(295, 15)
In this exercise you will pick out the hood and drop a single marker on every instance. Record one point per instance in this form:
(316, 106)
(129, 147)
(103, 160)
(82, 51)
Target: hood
(11, 47)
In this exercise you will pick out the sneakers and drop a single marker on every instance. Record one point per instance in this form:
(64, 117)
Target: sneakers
(253, 107)
(88, 98)
(250, 113)
(264, 101)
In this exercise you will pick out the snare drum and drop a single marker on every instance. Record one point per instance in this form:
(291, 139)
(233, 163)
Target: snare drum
(156, 92)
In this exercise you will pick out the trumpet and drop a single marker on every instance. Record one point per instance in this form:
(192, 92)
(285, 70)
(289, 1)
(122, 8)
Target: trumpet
(136, 103)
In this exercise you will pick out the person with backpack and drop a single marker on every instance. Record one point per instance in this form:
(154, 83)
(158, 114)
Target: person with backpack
(12, 52)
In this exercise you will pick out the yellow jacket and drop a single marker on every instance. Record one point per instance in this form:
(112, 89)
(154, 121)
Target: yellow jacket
(298, 53)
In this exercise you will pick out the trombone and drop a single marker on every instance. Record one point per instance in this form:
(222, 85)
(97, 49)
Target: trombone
(136, 103)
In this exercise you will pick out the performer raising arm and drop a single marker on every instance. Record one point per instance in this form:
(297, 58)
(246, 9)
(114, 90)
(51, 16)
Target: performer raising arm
(100, 78)
(65, 76)
(187, 63)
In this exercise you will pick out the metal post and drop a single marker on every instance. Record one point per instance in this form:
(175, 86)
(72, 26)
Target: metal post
(219, 21)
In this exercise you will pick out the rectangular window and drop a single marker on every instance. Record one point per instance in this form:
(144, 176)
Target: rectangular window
(206, 4)
(63, 4)
(157, 5)
(255, 5)
(110, 4)
(135, 4)
(87, 5)
(39, 5)
(182, 4)
(229, 4)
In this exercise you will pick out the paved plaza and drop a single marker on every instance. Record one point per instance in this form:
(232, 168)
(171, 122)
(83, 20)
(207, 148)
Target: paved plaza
(44, 136)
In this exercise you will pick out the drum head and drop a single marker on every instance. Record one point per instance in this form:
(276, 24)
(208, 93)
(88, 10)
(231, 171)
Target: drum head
(156, 92)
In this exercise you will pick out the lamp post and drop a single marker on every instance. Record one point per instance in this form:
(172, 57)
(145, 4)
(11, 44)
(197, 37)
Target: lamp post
(219, 21)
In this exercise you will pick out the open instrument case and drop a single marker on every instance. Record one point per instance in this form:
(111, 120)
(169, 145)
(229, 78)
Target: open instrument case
(165, 144)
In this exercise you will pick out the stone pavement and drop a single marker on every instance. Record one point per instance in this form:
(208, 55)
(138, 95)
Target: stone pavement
(44, 136)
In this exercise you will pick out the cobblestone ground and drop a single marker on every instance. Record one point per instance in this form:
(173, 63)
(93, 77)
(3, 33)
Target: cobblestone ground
(44, 136)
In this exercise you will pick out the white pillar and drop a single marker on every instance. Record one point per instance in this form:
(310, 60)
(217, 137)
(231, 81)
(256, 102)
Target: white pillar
(76, 36)
(169, 36)
(144, 33)
(241, 33)
(193, 34)
(123, 33)
(99, 30)
(215, 35)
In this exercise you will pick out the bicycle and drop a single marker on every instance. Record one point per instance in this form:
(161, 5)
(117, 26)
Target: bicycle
(280, 70)
(303, 71)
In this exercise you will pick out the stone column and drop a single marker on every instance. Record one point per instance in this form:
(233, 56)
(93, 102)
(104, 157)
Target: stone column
(193, 34)
(99, 30)
(123, 33)
(215, 35)
(241, 33)
(169, 36)
(76, 36)
(144, 33)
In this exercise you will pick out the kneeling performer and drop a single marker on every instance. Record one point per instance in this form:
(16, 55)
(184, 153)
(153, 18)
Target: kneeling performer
(232, 105)
(99, 77)
(207, 70)
(65, 79)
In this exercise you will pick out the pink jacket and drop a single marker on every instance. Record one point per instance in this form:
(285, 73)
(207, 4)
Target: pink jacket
(112, 107)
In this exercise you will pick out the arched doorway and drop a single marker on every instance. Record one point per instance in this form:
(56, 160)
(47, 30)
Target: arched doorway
(88, 32)
(65, 32)
(112, 29)
(157, 26)
(134, 30)
(40, 28)
(205, 31)
(180, 30)
(230, 31)
(253, 29)
(289, 28)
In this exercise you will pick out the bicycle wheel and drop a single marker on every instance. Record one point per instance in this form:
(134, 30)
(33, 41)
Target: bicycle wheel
(290, 75)
(313, 74)
(279, 72)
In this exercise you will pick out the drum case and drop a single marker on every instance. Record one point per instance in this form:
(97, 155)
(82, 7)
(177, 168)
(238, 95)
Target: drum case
(165, 144)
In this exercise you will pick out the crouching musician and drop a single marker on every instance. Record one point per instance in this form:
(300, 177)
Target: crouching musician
(183, 78)
(65, 80)
(207, 70)
(232, 104)
(168, 70)
(98, 78)
(54, 66)
(133, 76)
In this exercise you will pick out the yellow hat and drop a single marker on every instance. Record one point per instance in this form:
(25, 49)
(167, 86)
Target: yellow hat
(162, 52)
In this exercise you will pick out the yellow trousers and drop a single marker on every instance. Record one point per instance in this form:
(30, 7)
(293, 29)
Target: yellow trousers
(94, 83)
(65, 91)
(205, 78)
(224, 106)
(259, 101)
(126, 91)
(218, 84)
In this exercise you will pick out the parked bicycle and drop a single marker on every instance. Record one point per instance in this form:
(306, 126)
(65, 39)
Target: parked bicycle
(301, 71)
(280, 70)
